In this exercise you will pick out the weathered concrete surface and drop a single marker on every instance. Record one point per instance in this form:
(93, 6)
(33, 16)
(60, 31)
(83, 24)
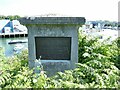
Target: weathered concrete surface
(53, 27)
(53, 20)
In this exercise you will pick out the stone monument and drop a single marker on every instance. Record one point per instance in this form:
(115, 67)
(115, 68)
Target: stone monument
(54, 40)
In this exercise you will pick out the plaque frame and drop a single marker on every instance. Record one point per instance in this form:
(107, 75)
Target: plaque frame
(53, 48)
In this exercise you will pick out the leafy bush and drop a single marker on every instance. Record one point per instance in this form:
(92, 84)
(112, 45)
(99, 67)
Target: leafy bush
(92, 49)
(15, 72)
(98, 67)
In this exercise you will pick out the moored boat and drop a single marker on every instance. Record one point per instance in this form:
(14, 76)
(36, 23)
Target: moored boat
(17, 41)
(18, 47)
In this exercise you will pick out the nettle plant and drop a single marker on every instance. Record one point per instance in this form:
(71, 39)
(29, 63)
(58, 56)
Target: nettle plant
(91, 49)
(103, 57)
(38, 66)
(15, 72)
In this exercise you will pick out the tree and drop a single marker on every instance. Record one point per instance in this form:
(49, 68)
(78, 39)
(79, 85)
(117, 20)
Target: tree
(11, 17)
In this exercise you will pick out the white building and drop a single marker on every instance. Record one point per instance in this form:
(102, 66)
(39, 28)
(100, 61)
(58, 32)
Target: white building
(7, 26)
(18, 27)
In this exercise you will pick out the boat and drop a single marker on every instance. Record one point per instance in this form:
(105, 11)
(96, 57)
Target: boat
(17, 41)
(18, 47)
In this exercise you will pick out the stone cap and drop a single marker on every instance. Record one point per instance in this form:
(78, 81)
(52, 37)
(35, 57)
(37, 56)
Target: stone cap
(52, 20)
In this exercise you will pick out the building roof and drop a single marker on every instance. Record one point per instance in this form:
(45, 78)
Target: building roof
(3, 23)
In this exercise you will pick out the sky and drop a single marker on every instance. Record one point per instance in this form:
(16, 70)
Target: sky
(90, 9)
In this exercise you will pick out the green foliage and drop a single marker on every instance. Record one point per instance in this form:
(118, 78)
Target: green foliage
(98, 67)
(85, 76)
(15, 72)
(10, 17)
(92, 49)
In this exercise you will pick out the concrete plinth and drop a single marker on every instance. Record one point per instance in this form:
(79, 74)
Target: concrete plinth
(60, 50)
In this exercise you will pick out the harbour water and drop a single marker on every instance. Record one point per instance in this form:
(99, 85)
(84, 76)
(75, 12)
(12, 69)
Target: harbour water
(11, 49)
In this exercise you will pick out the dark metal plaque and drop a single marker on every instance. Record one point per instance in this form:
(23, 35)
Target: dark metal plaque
(53, 48)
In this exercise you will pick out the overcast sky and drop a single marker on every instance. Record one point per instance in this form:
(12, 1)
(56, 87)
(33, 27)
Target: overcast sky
(90, 9)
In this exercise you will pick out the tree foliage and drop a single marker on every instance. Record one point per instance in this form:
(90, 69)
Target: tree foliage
(10, 17)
